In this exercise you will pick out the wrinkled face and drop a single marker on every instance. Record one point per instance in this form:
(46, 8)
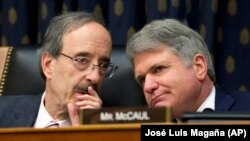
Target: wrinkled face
(166, 81)
(66, 78)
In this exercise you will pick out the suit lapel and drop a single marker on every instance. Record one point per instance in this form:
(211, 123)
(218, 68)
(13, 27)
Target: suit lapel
(26, 113)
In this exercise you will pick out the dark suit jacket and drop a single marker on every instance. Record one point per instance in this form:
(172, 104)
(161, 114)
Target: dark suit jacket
(232, 101)
(19, 111)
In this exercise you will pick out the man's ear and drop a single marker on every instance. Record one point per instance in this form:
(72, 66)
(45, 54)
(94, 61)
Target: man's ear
(46, 63)
(200, 66)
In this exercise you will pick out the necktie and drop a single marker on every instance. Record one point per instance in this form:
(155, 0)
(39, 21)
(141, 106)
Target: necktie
(52, 124)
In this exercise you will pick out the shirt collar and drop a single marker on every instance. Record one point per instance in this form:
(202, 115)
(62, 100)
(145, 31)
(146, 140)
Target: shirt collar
(209, 102)
(43, 117)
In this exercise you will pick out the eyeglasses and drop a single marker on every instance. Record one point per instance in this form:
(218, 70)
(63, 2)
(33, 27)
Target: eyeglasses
(106, 69)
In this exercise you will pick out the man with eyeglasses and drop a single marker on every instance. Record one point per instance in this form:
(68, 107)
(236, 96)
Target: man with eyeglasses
(74, 60)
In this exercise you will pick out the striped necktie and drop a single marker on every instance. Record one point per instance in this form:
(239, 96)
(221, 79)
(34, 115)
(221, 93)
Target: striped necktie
(52, 124)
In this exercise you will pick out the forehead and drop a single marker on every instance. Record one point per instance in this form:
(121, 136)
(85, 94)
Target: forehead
(90, 36)
(149, 55)
(143, 61)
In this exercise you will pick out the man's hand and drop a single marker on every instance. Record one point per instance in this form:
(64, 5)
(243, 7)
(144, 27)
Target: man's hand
(73, 114)
(90, 100)
(86, 101)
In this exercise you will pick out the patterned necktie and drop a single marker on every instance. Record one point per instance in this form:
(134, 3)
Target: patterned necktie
(52, 124)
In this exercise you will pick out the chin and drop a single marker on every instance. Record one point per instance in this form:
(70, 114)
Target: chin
(161, 104)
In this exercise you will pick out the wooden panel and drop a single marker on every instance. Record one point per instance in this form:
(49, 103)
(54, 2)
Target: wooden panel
(116, 132)
(103, 132)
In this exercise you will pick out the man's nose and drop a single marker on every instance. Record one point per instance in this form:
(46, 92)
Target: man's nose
(94, 74)
(150, 84)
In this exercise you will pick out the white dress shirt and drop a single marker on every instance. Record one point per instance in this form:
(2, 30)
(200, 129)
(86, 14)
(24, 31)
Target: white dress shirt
(209, 102)
(44, 118)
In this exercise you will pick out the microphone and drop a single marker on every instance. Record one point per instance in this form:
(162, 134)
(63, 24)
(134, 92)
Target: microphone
(208, 110)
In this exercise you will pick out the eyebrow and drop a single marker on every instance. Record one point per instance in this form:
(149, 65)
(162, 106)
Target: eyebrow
(148, 70)
(102, 58)
(106, 59)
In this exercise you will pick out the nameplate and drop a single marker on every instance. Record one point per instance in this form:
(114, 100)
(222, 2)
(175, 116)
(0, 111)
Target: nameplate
(125, 115)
